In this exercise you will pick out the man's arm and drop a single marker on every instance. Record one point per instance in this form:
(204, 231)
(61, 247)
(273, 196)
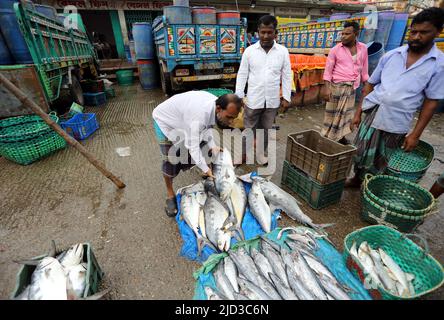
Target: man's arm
(287, 78)
(242, 76)
(328, 73)
(368, 88)
(364, 73)
(427, 112)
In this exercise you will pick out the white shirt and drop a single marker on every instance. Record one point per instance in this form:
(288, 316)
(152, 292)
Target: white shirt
(191, 114)
(264, 72)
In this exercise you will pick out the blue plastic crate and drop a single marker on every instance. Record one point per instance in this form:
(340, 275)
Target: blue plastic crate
(81, 126)
(95, 99)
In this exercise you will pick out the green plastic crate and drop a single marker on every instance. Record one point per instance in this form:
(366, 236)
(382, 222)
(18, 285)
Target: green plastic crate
(428, 272)
(318, 196)
(93, 274)
(218, 91)
(125, 77)
(411, 165)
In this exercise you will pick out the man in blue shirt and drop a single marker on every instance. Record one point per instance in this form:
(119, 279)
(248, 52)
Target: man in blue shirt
(406, 80)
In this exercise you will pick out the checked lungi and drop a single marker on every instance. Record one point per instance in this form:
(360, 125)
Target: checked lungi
(374, 147)
(169, 169)
(339, 111)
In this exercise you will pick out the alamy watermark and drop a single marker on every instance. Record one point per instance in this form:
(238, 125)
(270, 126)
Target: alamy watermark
(251, 147)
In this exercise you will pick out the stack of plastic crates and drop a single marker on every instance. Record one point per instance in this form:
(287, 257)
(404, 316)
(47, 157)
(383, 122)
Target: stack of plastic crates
(316, 168)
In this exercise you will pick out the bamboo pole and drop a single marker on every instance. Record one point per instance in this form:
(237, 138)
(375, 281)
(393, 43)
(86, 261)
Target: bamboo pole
(71, 141)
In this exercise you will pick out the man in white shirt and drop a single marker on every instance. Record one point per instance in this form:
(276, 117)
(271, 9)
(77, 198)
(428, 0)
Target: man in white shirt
(265, 66)
(183, 123)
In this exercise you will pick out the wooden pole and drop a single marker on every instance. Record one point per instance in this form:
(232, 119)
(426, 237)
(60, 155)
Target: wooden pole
(71, 141)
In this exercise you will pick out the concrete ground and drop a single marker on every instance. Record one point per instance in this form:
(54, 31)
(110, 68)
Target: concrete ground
(65, 198)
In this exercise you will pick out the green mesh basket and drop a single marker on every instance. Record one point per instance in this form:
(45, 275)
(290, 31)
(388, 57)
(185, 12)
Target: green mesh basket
(218, 91)
(398, 195)
(428, 272)
(26, 139)
(411, 165)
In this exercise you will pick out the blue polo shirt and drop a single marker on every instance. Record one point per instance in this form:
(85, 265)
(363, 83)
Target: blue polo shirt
(400, 92)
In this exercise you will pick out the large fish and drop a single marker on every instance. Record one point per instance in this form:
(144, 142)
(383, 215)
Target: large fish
(276, 262)
(262, 263)
(279, 199)
(213, 294)
(222, 282)
(76, 280)
(72, 257)
(191, 213)
(224, 174)
(216, 215)
(231, 272)
(48, 281)
(251, 290)
(285, 292)
(396, 270)
(237, 202)
(259, 206)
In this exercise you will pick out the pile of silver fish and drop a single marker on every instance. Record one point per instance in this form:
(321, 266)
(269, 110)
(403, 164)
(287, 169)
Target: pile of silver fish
(273, 272)
(382, 271)
(58, 278)
(214, 209)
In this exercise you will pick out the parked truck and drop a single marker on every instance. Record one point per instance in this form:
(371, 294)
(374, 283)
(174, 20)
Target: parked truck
(190, 53)
(61, 57)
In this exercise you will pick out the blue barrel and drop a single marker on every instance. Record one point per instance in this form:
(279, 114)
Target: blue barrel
(397, 32)
(204, 15)
(48, 11)
(5, 55)
(385, 22)
(177, 14)
(143, 40)
(375, 52)
(340, 16)
(12, 34)
(147, 74)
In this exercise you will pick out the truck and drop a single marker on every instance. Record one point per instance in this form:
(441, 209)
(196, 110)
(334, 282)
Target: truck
(191, 53)
(61, 56)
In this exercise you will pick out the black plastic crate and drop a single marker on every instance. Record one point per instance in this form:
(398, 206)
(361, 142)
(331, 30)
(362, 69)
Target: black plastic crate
(95, 99)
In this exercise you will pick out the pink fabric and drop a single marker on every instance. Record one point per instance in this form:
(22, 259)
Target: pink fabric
(340, 66)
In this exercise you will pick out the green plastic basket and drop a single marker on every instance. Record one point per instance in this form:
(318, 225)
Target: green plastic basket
(94, 274)
(27, 139)
(218, 91)
(411, 165)
(398, 195)
(318, 196)
(428, 272)
(125, 77)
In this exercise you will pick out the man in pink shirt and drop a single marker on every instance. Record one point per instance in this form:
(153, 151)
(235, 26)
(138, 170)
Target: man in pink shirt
(346, 68)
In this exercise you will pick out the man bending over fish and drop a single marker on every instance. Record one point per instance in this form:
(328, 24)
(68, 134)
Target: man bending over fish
(185, 121)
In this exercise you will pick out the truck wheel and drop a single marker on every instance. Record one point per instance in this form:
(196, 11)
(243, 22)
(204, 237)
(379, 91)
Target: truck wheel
(73, 93)
(165, 80)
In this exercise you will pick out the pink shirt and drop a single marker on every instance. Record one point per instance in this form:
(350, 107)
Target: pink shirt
(340, 66)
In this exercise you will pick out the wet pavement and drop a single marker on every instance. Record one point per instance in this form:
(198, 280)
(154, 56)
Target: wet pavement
(65, 198)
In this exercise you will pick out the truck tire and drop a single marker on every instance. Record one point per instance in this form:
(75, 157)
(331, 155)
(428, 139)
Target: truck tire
(165, 80)
(73, 93)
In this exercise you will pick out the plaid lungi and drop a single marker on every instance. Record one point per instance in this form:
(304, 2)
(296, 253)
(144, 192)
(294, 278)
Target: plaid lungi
(339, 111)
(169, 169)
(374, 146)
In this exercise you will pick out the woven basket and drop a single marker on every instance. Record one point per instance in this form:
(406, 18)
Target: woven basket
(27, 139)
(411, 165)
(398, 195)
(428, 272)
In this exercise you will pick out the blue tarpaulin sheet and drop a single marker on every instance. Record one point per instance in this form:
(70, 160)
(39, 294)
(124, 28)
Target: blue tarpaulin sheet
(326, 253)
(250, 226)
